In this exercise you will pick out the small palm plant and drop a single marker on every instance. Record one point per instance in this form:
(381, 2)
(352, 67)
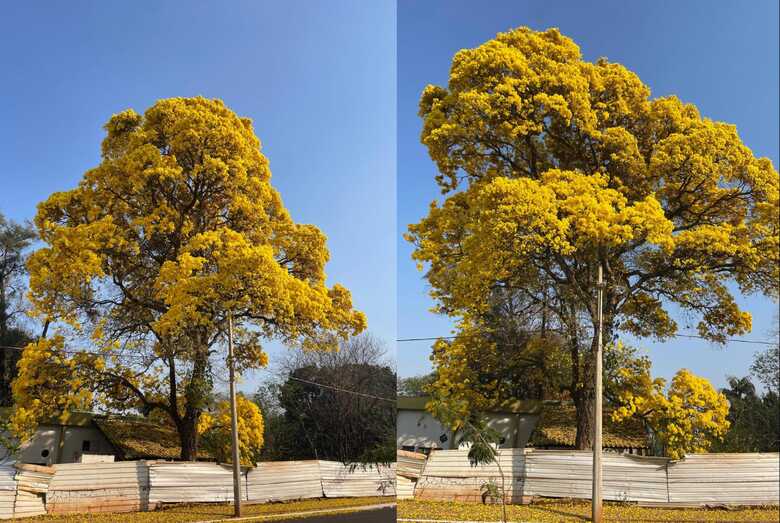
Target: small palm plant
(483, 450)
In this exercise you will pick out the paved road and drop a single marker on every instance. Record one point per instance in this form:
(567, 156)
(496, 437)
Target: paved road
(382, 515)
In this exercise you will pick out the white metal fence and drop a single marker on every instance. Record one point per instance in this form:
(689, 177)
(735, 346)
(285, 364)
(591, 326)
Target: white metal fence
(740, 479)
(7, 489)
(122, 486)
(342, 481)
(128, 486)
(190, 482)
(449, 476)
(284, 480)
(698, 479)
(409, 468)
(725, 478)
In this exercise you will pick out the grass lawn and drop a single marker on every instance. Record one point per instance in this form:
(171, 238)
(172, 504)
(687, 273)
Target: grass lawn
(208, 511)
(578, 511)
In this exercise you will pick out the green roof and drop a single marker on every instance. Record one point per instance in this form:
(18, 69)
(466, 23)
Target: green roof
(557, 427)
(508, 407)
(133, 438)
(137, 439)
(412, 402)
(75, 419)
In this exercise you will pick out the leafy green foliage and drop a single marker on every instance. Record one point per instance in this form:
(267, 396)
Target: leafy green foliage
(15, 239)
(333, 405)
(415, 385)
(321, 423)
(754, 419)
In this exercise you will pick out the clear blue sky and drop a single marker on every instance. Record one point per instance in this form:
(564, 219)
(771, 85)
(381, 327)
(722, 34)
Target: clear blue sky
(317, 78)
(721, 56)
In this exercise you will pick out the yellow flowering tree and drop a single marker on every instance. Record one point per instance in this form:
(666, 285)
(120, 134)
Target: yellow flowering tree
(687, 418)
(215, 431)
(481, 369)
(175, 228)
(551, 166)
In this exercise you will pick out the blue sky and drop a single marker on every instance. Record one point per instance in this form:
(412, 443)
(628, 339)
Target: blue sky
(721, 56)
(317, 78)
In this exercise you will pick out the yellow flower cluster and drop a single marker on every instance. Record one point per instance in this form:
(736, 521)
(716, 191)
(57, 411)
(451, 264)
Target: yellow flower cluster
(49, 383)
(214, 429)
(686, 418)
(492, 230)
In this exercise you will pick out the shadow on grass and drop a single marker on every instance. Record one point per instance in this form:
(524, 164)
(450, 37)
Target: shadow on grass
(580, 517)
(573, 515)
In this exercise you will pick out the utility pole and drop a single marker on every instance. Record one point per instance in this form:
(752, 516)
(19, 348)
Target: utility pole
(596, 514)
(234, 423)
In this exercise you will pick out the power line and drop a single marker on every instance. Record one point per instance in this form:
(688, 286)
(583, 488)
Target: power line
(331, 387)
(730, 340)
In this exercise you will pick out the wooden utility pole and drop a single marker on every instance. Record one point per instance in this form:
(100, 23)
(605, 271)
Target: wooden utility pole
(234, 423)
(596, 513)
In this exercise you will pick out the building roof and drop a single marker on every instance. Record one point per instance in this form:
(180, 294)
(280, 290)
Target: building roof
(74, 419)
(507, 407)
(557, 427)
(412, 402)
(133, 438)
(137, 439)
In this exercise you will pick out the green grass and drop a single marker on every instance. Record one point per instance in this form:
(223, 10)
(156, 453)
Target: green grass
(208, 511)
(578, 511)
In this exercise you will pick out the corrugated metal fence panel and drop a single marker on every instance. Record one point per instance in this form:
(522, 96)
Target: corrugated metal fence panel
(448, 476)
(99, 487)
(744, 479)
(32, 483)
(410, 464)
(29, 504)
(190, 482)
(568, 474)
(455, 463)
(33, 478)
(284, 480)
(342, 481)
(388, 475)
(7, 489)
(404, 487)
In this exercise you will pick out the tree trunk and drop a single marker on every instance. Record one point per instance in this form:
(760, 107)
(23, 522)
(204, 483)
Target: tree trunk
(584, 403)
(188, 437)
(195, 394)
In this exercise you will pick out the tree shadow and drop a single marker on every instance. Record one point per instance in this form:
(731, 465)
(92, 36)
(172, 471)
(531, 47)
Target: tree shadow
(558, 512)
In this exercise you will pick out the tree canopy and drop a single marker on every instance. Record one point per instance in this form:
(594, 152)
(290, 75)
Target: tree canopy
(415, 385)
(177, 226)
(338, 405)
(214, 428)
(754, 419)
(15, 241)
(687, 417)
(552, 166)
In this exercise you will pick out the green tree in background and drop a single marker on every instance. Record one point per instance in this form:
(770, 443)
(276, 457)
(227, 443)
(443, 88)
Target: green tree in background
(311, 415)
(754, 418)
(415, 385)
(15, 239)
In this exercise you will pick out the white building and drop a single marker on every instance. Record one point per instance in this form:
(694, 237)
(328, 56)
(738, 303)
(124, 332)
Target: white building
(528, 423)
(418, 431)
(55, 442)
(97, 437)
